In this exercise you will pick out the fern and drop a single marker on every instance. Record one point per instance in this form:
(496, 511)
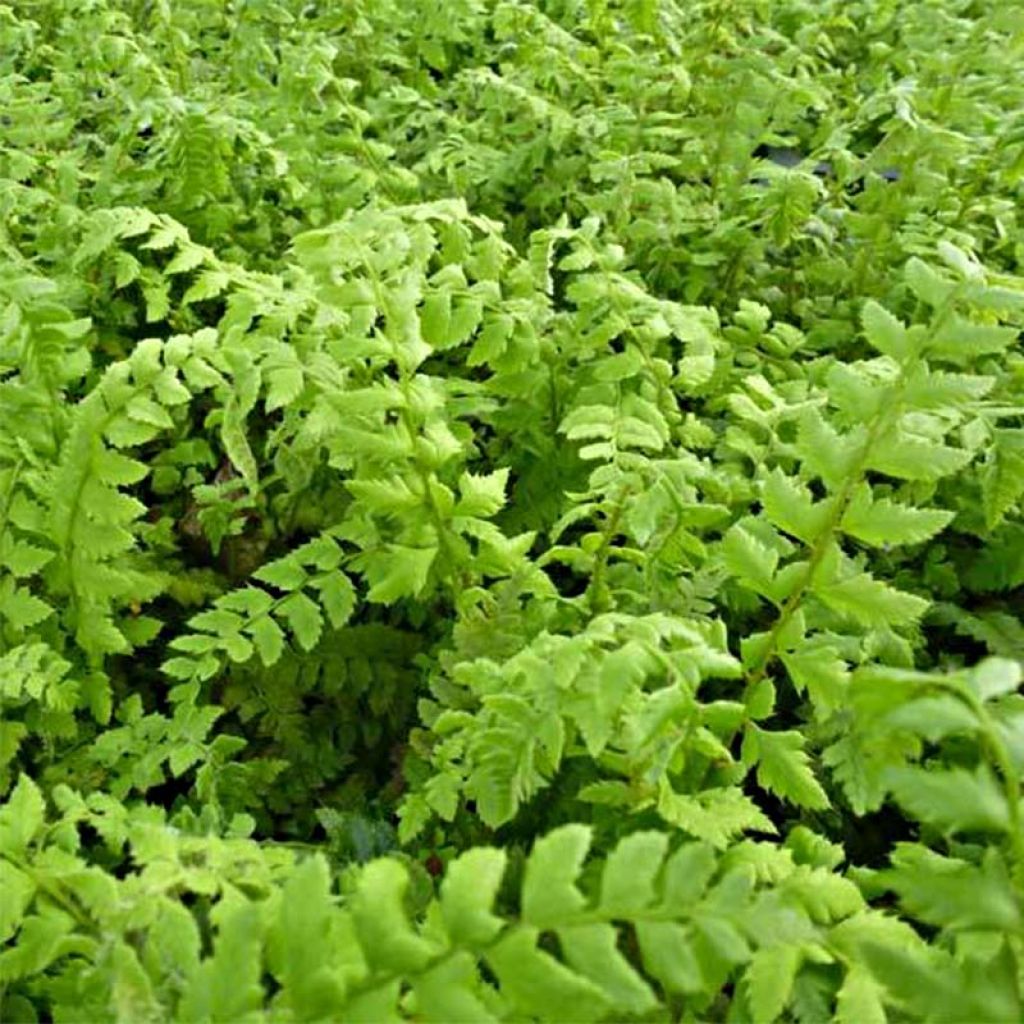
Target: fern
(252, 620)
(698, 921)
(510, 511)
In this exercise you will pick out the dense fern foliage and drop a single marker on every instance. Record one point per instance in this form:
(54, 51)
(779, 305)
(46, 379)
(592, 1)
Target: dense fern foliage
(511, 510)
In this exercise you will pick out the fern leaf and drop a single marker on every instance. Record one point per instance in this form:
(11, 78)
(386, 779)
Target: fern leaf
(783, 767)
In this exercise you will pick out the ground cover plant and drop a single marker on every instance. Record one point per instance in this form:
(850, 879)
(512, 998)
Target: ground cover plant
(511, 510)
